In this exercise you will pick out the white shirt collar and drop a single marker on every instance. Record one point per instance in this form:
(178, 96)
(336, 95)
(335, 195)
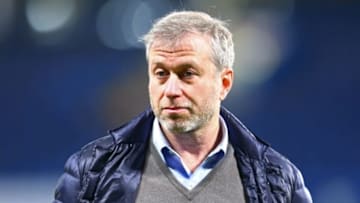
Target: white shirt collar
(159, 140)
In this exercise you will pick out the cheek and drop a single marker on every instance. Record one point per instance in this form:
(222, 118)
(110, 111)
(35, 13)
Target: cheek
(214, 87)
(154, 91)
(204, 93)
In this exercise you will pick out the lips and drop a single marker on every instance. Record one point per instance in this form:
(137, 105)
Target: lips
(174, 109)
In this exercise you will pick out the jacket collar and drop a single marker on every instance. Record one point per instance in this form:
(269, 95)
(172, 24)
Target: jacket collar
(243, 141)
(137, 130)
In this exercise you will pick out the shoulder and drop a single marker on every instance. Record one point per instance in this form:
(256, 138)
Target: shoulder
(284, 175)
(98, 151)
(85, 159)
(84, 168)
(275, 160)
(70, 186)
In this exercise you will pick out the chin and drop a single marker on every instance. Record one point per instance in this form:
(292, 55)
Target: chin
(177, 126)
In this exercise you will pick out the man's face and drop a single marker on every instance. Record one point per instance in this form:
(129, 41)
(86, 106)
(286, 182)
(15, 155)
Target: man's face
(185, 87)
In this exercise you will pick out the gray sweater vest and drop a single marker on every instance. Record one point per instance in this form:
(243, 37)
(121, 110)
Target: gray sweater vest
(221, 185)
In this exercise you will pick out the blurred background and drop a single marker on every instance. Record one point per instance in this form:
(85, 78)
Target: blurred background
(72, 69)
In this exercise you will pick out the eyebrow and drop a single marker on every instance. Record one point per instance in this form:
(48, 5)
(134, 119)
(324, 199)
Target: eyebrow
(180, 66)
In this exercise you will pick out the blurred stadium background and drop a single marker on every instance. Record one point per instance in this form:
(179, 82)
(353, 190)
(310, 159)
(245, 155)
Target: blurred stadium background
(72, 69)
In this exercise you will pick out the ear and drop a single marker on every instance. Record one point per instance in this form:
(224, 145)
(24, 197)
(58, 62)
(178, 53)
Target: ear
(227, 78)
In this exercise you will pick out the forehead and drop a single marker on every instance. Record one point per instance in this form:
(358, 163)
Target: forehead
(192, 43)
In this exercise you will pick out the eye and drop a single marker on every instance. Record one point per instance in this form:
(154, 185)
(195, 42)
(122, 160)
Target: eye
(160, 73)
(188, 74)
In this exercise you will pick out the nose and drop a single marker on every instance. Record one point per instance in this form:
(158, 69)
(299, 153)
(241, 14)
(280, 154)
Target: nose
(172, 86)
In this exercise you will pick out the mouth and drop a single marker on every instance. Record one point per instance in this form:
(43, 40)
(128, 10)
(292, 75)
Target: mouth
(175, 109)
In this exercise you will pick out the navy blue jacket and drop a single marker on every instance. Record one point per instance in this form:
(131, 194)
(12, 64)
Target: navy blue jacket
(109, 169)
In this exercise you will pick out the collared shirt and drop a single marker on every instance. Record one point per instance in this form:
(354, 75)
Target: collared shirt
(176, 165)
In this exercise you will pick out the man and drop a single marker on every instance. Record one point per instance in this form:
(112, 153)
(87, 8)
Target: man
(186, 148)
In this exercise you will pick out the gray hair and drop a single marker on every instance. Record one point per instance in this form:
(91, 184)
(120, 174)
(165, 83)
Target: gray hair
(178, 23)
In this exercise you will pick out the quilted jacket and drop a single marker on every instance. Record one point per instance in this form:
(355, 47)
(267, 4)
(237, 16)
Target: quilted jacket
(109, 169)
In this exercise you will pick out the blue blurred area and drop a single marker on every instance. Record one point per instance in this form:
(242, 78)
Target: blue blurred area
(310, 109)
(55, 99)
